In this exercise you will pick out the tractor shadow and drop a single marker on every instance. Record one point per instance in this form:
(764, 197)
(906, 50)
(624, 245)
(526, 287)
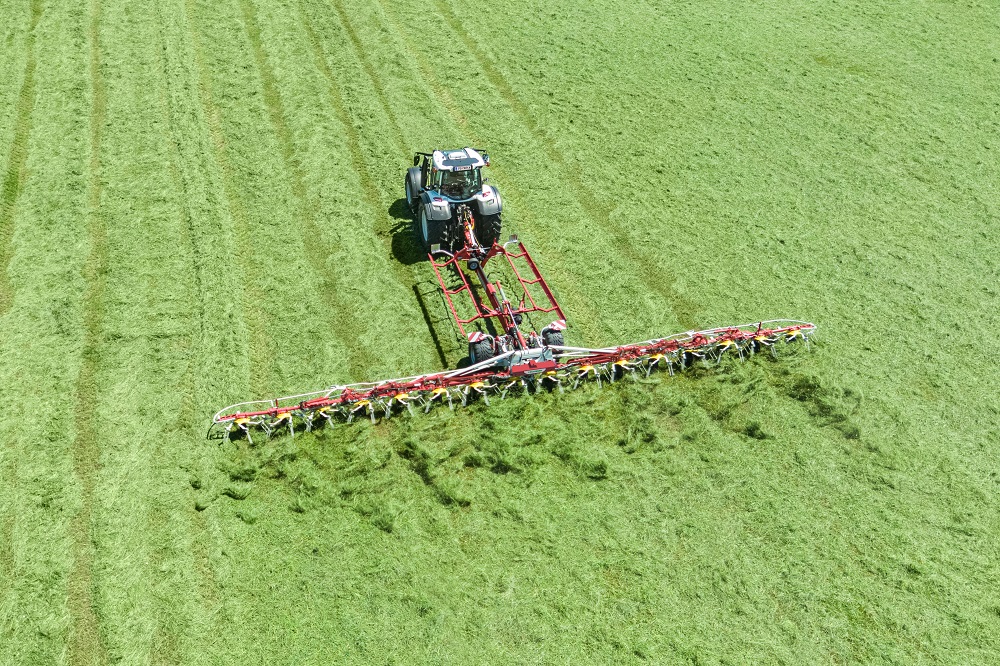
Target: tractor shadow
(408, 250)
(406, 246)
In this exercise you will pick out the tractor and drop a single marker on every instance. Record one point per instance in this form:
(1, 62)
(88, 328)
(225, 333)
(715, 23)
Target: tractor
(439, 184)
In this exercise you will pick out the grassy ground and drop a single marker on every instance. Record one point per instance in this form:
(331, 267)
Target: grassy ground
(200, 205)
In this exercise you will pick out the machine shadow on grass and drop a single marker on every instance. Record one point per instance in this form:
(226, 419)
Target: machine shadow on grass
(406, 247)
(407, 250)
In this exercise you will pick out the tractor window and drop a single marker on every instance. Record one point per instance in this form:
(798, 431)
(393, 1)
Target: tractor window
(460, 184)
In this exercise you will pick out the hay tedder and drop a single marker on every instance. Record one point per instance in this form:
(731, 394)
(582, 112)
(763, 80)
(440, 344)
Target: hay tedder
(510, 318)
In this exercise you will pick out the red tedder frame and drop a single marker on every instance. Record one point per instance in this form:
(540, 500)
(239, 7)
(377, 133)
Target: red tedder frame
(498, 305)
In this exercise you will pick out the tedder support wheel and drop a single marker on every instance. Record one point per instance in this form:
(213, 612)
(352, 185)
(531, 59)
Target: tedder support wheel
(413, 188)
(551, 338)
(488, 230)
(480, 351)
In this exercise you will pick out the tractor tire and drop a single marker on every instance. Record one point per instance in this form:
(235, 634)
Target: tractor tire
(553, 338)
(413, 187)
(429, 230)
(488, 230)
(481, 351)
(445, 233)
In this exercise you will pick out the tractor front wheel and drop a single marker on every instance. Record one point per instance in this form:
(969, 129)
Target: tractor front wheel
(429, 229)
(413, 187)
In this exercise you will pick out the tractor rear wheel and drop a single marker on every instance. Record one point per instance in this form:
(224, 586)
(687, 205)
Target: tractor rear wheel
(446, 233)
(413, 187)
(488, 230)
(430, 230)
(480, 351)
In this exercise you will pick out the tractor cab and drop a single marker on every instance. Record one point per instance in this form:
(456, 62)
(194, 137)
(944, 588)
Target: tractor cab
(453, 174)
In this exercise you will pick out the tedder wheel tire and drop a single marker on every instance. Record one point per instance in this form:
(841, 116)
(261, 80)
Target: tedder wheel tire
(551, 338)
(480, 351)
(412, 186)
(488, 230)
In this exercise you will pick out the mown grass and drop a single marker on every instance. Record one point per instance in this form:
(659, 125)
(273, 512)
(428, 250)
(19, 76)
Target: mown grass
(215, 216)
(42, 342)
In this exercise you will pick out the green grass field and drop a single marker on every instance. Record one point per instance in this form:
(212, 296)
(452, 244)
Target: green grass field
(200, 205)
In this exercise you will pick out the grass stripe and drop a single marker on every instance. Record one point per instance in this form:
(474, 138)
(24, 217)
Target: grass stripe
(342, 230)
(347, 328)
(12, 181)
(393, 228)
(86, 644)
(17, 50)
(261, 197)
(259, 342)
(401, 143)
(41, 344)
(593, 205)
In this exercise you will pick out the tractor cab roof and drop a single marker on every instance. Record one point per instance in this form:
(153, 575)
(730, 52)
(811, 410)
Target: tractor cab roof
(462, 159)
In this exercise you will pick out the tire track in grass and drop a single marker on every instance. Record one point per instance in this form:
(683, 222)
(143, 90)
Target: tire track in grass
(370, 148)
(390, 231)
(260, 346)
(366, 65)
(86, 644)
(148, 599)
(14, 176)
(218, 356)
(346, 328)
(372, 192)
(282, 43)
(16, 158)
(683, 308)
(208, 284)
(40, 345)
(260, 195)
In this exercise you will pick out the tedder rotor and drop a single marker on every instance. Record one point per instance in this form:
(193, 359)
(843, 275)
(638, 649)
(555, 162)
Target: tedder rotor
(513, 324)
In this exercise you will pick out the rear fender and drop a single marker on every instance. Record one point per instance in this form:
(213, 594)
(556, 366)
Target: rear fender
(488, 201)
(436, 206)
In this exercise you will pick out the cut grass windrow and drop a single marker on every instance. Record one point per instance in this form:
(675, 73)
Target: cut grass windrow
(18, 154)
(17, 49)
(338, 235)
(145, 571)
(86, 645)
(217, 357)
(41, 346)
(300, 345)
(259, 353)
